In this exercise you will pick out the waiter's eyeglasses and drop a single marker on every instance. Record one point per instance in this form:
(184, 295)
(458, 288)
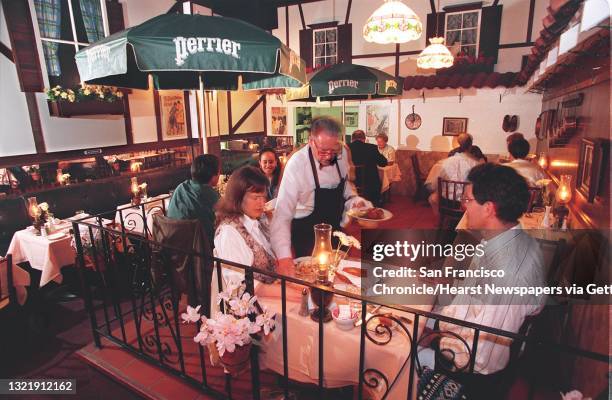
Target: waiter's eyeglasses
(326, 152)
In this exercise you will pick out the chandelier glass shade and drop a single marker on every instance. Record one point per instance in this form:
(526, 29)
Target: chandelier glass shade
(435, 56)
(393, 22)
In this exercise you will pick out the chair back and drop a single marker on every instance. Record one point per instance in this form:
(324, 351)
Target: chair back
(534, 197)
(190, 273)
(8, 294)
(449, 200)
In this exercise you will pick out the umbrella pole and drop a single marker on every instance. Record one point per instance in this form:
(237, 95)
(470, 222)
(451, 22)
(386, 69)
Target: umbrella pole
(343, 110)
(202, 107)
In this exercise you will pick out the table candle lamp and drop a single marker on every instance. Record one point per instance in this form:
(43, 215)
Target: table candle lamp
(321, 257)
(563, 196)
(543, 161)
(59, 176)
(135, 190)
(33, 207)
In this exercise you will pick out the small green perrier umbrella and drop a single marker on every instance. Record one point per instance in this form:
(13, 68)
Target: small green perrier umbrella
(347, 82)
(181, 51)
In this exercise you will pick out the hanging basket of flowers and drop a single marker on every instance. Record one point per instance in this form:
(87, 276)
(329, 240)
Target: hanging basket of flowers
(86, 100)
(229, 335)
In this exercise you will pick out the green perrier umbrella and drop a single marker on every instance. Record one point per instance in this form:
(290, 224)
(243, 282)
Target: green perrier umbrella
(181, 51)
(347, 82)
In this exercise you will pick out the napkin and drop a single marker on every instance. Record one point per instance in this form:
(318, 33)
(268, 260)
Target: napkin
(355, 280)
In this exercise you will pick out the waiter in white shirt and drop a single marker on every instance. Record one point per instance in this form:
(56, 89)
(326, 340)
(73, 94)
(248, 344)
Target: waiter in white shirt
(314, 190)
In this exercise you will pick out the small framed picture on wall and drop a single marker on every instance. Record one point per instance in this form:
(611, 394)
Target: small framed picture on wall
(453, 126)
(592, 155)
(173, 115)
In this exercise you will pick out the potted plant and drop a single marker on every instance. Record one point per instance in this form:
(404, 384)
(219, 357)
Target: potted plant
(85, 100)
(229, 335)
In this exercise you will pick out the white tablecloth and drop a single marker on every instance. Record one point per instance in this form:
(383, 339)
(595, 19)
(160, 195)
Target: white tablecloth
(48, 256)
(388, 175)
(133, 215)
(341, 350)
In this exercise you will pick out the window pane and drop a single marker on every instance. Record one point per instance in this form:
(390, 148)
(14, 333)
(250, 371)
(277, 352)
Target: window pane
(330, 49)
(88, 20)
(469, 50)
(64, 71)
(330, 60)
(53, 19)
(453, 21)
(331, 35)
(470, 19)
(452, 37)
(319, 50)
(319, 61)
(468, 36)
(319, 36)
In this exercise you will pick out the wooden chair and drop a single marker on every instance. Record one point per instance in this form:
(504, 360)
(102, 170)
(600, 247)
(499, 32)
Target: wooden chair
(449, 202)
(420, 192)
(8, 296)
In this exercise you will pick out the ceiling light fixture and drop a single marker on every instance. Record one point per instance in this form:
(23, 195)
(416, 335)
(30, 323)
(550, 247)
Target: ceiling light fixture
(393, 22)
(436, 55)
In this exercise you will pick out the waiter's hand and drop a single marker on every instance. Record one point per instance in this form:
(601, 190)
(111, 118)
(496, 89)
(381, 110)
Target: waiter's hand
(286, 266)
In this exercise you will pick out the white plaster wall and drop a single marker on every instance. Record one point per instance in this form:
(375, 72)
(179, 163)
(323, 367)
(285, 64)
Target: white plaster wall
(138, 11)
(142, 112)
(16, 133)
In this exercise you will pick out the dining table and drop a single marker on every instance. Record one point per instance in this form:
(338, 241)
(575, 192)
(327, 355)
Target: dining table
(341, 348)
(21, 280)
(388, 175)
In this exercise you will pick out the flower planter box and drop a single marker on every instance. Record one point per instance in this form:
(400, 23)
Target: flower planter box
(65, 109)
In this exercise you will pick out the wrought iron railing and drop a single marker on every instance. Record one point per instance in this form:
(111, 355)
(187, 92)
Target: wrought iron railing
(139, 311)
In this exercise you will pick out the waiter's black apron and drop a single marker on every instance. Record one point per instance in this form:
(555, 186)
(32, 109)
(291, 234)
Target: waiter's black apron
(328, 209)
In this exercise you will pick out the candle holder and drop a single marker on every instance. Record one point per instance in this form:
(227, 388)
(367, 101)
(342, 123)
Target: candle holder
(563, 197)
(543, 161)
(322, 257)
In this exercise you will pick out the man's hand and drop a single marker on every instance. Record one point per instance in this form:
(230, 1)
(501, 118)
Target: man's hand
(286, 266)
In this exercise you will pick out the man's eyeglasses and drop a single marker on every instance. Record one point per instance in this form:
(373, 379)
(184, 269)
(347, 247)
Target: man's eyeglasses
(327, 153)
(466, 200)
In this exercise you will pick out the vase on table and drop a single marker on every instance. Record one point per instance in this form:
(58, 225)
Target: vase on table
(546, 220)
(236, 361)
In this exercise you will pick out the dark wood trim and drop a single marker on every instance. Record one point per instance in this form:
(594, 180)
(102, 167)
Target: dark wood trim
(33, 111)
(432, 4)
(463, 7)
(375, 55)
(248, 112)
(129, 133)
(397, 57)
(6, 52)
(158, 121)
(302, 16)
(530, 20)
(239, 136)
(188, 114)
(28, 159)
(323, 25)
(348, 12)
(497, 2)
(265, 116)
(230, 128)
(287, 25)
(515, 45)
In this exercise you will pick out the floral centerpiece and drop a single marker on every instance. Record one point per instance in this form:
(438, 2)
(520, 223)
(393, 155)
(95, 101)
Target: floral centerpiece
(40, 215)
(84, 93)
(230, 334)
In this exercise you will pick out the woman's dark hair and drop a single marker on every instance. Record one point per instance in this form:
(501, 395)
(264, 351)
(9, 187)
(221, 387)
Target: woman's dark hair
(276, 174)
(243, 180)
(502, 186)
(518, 148)
(477, 153)
(204, 167)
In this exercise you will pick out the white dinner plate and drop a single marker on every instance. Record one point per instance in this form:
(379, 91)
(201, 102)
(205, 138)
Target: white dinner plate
(387, 215)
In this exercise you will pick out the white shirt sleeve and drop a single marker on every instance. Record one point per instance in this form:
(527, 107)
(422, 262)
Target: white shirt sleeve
(286, 203)
(230, 246)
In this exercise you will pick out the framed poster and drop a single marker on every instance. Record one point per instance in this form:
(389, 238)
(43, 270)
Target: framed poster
(279, 121)
(377, 119)
(452, 126)
(173, 115)
(351, 119)
(590, 167)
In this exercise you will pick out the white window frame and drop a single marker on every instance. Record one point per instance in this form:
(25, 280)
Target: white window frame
(314, 44)
(74, 42)
(446, 30)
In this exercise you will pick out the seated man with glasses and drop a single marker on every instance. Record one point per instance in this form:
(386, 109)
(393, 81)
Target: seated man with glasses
(314, 190)
(494, 200)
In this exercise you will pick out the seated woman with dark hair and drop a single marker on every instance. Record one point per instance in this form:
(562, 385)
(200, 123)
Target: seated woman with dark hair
(242, 234)
(270, 165)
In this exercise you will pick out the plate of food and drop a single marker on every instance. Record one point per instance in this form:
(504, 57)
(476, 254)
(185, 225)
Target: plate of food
(370, 217)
